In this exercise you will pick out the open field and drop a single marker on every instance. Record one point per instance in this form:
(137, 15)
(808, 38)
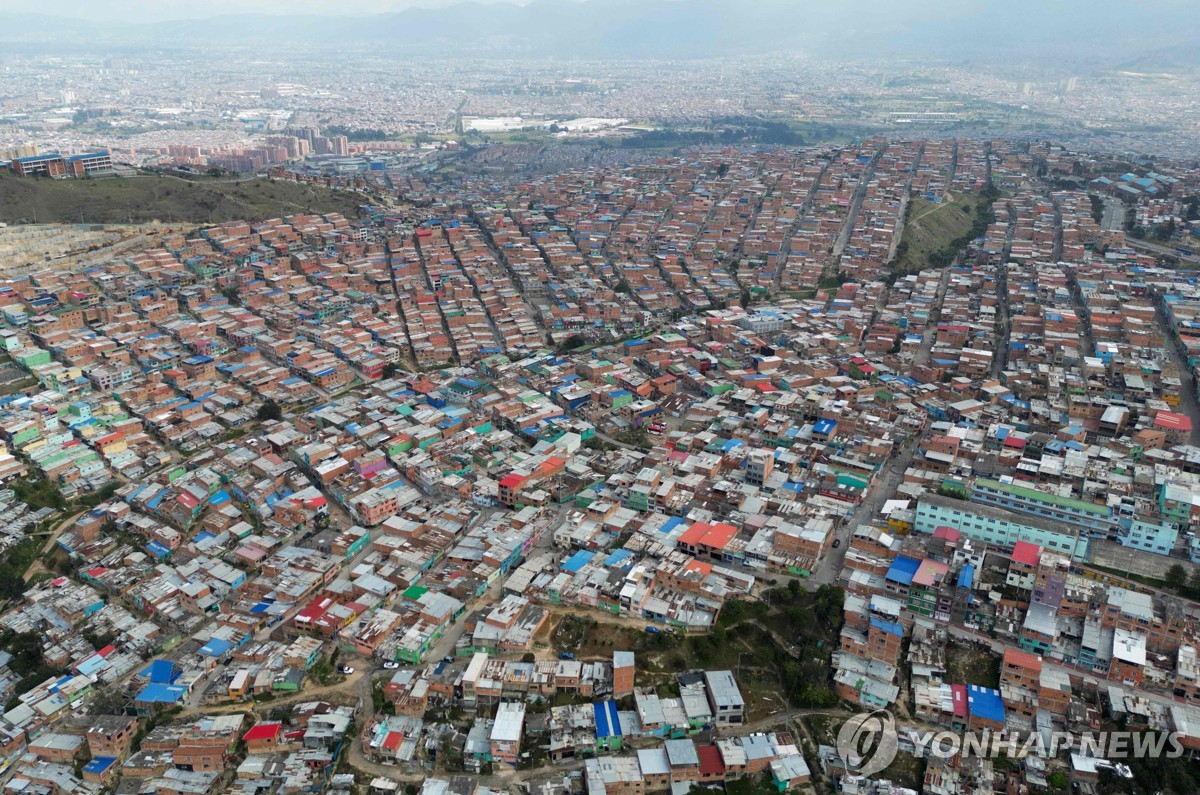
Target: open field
(779, 653)
(145, 199)
(931, 232)
(972, 666)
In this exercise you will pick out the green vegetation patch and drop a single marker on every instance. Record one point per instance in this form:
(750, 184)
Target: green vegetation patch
(143, 199)
(972, 665)
(935, 232)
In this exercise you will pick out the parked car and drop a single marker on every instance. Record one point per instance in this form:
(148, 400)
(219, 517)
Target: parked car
(566, 655)
(837, 542)
(653, 630)
(345, 669)
(390, 665)
(447, 659)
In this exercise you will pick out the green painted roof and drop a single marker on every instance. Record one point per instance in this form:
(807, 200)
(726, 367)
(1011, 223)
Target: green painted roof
(1041, 496)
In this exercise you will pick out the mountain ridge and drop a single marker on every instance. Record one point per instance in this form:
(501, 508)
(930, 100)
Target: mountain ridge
(1110, 31)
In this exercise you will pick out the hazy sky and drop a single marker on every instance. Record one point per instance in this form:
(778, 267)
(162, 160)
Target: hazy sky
(150, 10)
(157, 10)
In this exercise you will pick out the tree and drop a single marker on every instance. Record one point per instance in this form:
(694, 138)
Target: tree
(572, 342)
(1194, 580)
(12, 585)
(1165, 231)
(1176, 577)
(26, 651)
(269, 411)
(389, 369)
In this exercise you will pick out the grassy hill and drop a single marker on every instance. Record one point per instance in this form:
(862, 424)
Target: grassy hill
(934, 233)
(152, 198)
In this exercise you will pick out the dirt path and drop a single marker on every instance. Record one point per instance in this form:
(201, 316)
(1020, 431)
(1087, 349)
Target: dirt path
(508, 777)
(37, 566)
(946, 202)
(348, 687)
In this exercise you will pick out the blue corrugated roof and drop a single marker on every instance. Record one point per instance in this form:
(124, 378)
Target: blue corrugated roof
(903, 569)
(617, 557)
(966, 575)
(983, 702)
(91, 665)
(608, 723)
(99, 764)
(161, 694)
(672, 523)
(578, 561)
(215, 647)
(161, 671)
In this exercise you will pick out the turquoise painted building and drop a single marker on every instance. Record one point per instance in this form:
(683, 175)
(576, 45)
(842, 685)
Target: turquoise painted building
(999, 527)
(1096, 520)
(1157, 538)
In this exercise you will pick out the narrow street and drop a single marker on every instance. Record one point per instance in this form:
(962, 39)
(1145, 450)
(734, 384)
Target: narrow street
(929, 335)
(906, 197)
(1189, 401)
(881, 489)
(1003, 322)
(852, 212)
(786, 247)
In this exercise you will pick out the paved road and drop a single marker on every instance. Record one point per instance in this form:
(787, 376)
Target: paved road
(1166, 251)
(883, 488)
(1188, 399)
(929, 335)
(1114, 219)
(856, 200)
(1114, 214)
(786, 246)
(1000, 357)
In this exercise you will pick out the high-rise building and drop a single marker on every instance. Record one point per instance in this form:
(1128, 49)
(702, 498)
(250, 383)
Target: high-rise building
(24, 150)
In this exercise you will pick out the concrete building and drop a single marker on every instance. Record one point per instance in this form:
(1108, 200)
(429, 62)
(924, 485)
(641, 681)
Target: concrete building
(724, 697)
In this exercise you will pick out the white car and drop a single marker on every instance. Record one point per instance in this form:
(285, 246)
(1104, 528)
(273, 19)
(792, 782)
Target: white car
(345, 669)
(391, 665)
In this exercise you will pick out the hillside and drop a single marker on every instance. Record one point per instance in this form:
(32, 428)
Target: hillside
(145, 198)
(934, 233)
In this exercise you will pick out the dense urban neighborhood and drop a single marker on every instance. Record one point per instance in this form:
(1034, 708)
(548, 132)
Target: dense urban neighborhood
(611, 480)
(426, 397)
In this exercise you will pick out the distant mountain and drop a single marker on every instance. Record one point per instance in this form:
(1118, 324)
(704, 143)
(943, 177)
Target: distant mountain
(1108, 31)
